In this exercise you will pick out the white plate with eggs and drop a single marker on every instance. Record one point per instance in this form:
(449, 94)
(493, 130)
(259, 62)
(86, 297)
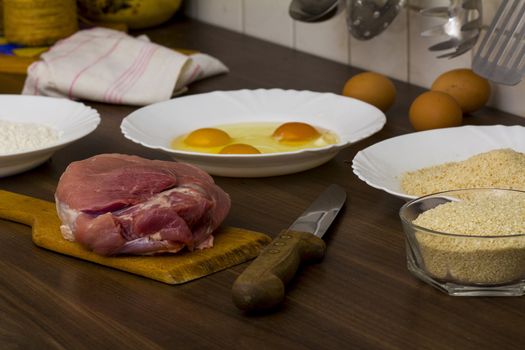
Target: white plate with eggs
(35, 127)
(383, 164)
(337, 122)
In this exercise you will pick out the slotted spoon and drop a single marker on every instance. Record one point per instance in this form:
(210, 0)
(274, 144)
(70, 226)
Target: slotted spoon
(367, 18)
(462, 27)
(501, 54)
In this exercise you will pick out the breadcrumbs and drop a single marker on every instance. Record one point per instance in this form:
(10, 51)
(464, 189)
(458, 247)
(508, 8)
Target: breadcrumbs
(501, 168)
(478, 257)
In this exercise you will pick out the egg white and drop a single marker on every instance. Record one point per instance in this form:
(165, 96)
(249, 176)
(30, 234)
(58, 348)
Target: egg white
(258, 135)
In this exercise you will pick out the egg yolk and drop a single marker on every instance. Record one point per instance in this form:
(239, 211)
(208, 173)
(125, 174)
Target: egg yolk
(239, 148)
(295, 132)
(207, 137)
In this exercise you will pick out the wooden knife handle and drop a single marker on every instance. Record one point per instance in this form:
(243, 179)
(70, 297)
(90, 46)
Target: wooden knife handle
(262, 285)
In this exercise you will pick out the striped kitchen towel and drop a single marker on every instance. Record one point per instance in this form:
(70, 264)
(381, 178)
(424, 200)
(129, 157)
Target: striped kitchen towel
(106, 65)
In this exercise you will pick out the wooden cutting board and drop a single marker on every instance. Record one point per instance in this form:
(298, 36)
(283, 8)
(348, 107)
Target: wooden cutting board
(232, 245)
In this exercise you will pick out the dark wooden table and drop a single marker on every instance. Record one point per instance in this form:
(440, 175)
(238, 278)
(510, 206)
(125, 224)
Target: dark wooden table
(360, 297)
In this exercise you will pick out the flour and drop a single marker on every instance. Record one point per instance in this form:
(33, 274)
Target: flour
(18, 137)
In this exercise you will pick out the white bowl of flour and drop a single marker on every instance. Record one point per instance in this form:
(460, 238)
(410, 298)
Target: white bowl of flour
(32, 128)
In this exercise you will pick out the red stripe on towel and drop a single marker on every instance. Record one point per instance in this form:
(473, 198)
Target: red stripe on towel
(127, 74)
(138, 74)
(109, 52)
(194, 73)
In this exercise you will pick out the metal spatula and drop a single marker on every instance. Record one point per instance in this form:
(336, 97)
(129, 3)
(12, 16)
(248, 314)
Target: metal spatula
(501, 55)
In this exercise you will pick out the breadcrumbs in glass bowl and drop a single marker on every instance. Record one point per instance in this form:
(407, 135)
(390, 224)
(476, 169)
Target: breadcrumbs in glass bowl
(468, 242)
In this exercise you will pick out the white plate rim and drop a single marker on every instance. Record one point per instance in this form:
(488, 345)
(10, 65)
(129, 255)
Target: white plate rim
(359, 158)
(126, 126)
(91, 119)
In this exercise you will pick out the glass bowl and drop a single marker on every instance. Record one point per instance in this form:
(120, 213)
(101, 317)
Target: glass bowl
(468, 242)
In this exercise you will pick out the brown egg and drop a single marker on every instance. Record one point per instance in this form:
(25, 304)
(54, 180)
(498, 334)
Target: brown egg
(373, 88)
(433, 110)
(469, 89)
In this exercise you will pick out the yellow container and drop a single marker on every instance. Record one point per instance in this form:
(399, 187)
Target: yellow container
(135, 14)
(1, 18)
(39, 22)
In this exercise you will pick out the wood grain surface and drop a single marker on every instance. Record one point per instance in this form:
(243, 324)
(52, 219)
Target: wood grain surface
(361, 296)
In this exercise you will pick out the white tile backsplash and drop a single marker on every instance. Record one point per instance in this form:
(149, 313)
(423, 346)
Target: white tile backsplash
(387, 53)
(191, 8)
(423, 65)
(268, 20)
(328, 39)
(223, 13)
(509, 98)
(489, 8)
(399, 52)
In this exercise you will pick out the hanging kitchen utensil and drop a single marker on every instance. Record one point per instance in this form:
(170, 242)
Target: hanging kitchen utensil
(501, 55)
(367, 18)
(313, 10)
(462, 26)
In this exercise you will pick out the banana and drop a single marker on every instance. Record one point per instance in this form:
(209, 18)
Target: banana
(134, 13)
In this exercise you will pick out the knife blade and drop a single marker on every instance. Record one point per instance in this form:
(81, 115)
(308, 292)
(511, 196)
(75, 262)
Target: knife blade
(261, 285)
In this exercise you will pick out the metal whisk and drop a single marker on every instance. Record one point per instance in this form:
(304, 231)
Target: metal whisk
(462, 27)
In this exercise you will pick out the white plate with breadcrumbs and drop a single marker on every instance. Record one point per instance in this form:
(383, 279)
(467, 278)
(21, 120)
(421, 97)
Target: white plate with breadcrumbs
(32, 128)
(155, 126)
(383, 164)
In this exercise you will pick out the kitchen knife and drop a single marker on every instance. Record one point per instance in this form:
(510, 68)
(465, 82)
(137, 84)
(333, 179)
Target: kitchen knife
(262, 284)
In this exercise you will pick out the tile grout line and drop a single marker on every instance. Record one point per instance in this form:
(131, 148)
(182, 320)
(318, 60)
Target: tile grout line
(243, 16)
(349, 43)
(408, 45)
(294, 36)
(197, 8)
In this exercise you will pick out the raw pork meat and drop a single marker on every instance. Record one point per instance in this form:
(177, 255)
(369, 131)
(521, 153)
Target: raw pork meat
(121, 204)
